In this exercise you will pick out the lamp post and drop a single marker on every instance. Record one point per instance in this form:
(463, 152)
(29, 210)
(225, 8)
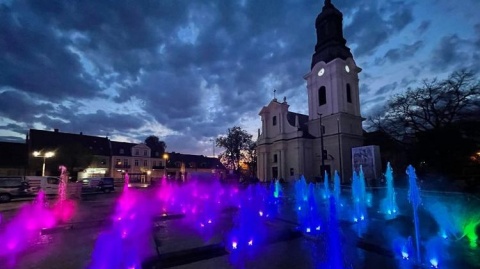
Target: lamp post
(321, 146)
(46, 155)
(339, 148)
(213, 146)
(165, 157)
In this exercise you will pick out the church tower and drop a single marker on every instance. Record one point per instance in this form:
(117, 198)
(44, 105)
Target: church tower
(291, 145)
(333, 96)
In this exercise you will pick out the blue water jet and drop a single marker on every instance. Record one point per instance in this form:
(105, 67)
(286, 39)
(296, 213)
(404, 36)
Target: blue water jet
(415, 199)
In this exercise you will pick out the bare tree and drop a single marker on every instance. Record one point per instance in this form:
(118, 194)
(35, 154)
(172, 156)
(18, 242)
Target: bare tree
(432, 121)
(437, 104)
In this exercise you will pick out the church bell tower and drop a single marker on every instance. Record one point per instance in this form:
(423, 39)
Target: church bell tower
(333, 96)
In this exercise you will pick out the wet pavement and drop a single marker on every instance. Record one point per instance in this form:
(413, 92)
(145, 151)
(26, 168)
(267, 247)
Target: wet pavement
(176, 244)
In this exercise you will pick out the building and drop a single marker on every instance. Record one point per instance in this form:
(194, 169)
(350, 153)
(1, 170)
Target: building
(291, 144)
(138, 160)
(13, 158)
(75, 151)
(92, 156)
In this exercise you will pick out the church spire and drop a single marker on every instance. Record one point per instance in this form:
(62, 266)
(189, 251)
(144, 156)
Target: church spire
(330, 41)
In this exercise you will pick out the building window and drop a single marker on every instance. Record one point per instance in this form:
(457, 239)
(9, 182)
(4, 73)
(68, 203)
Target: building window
(145, 163)
(275, 158)
(291, 172)
(322, 96)
(136, 162)
(349, 93)
(103, 161)
(145, 153)
(125, 162)
(119, 162)
(274, 120)
(154, 163)
(137, 152)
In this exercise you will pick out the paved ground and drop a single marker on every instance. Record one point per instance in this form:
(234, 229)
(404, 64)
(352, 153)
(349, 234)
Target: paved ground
(181, 246)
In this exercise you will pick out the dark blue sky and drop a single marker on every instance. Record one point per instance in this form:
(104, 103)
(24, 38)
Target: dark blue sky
(186, 71)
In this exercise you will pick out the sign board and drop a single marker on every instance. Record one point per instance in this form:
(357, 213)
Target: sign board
(369, 158)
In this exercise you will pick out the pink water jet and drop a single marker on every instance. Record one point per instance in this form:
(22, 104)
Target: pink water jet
(26, 226)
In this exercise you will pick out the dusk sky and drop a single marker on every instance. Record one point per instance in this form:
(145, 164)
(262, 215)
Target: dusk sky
(186, 71)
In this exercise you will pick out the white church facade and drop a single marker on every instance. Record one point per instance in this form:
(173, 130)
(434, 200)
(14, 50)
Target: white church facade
(290, 144)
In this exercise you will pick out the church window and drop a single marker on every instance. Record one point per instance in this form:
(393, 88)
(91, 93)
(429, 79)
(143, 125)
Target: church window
(322, 96)
(275, 158)
(274, 120)
(349, 93)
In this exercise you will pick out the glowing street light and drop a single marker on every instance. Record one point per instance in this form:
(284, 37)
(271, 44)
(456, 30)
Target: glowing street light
(47, 154)
(165, 157)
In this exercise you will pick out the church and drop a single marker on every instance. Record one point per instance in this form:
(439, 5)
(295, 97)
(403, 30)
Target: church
(291, 144)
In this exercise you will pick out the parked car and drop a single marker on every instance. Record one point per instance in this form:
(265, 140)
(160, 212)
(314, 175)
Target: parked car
(103, 184)
(106, 184)
(48, 184)
(13, 187)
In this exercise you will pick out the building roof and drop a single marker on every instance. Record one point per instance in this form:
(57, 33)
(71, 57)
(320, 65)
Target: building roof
(302, 122)
(122, 148)
(46, 140)
(13, 154)
(200, 161)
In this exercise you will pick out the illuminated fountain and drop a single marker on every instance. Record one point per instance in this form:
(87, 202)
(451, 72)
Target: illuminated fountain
(126, 243)
(389, 203)
(336, 188)
(415, 200)
(64, 208)
(359, 196)
(24, 228)
(249, 230)
(326, 186)
(245, 222)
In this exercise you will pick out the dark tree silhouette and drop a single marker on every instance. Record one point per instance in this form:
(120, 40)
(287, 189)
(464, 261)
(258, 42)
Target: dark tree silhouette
(235, 143)
(432, 121)
(154, 143)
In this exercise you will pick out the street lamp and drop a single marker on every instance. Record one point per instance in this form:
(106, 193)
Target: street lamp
(47, 154)
(322, 155)
(165, 157)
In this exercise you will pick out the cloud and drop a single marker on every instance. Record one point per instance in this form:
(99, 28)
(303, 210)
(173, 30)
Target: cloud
(11, 100)
(373, 24)
(449, 52)
(402, 53)
(423, 27)
(188, 70)
(386, 88)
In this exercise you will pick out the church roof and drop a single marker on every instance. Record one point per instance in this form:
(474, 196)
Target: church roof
(302, 122)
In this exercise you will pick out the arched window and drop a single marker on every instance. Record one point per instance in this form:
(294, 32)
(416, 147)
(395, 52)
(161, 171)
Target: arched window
(349, 93)
(322, 96)
(274, 120)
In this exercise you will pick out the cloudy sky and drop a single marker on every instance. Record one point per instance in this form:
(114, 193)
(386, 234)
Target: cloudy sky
(186, 71)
